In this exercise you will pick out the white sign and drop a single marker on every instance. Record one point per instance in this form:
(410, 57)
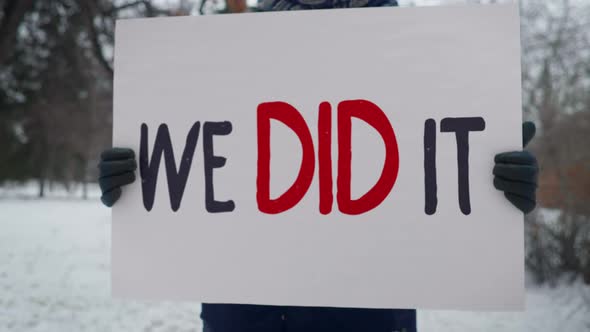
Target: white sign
(327, 158)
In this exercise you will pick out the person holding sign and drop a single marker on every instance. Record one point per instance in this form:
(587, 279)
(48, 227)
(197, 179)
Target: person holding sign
(515, 175)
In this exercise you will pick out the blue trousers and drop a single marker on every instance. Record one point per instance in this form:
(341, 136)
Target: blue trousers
(258, 318)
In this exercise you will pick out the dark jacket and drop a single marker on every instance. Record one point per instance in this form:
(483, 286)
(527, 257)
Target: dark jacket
(257, 318)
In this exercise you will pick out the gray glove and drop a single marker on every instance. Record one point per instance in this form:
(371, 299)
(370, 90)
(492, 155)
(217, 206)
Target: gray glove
(117, 168)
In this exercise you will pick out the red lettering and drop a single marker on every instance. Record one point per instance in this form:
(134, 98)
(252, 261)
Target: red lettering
(289, 116)
(325, 157)
(374, 116)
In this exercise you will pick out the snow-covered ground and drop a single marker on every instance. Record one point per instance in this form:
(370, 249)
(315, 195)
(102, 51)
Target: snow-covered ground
(54, 276)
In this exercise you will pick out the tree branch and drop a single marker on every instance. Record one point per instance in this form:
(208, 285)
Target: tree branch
(12, 15)
(89, 11)
(131, 4)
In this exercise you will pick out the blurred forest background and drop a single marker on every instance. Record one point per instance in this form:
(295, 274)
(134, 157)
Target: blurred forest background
(56, 105)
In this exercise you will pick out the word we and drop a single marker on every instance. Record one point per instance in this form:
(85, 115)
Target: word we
(177, 177)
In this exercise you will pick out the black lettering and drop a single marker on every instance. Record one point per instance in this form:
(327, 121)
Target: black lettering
(461, 127)
(212, 161)
(149, 167)
(430, 189)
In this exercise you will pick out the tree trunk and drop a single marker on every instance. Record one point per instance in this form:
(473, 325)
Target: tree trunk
(41, 187)
(84, 188)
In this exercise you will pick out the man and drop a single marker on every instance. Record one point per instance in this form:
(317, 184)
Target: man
(515, 175)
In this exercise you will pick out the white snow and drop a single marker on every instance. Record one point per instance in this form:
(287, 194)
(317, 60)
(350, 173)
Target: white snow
(54, 276)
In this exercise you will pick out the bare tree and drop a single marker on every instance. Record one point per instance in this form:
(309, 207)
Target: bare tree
(556, 87)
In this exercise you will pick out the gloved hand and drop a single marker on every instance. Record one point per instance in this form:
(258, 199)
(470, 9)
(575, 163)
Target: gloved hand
(515, 173)
(117, 168)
